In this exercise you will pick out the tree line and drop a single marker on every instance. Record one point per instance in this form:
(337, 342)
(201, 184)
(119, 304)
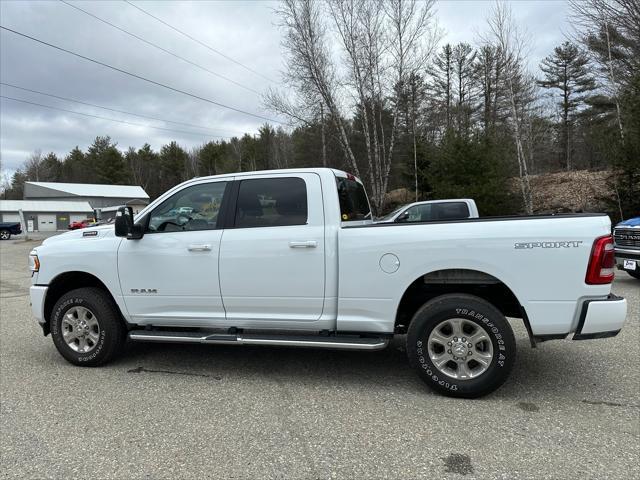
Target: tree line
(370, 89)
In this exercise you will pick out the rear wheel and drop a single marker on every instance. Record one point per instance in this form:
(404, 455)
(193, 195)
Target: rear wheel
(5, 234)
(86, 327)
(461, 345)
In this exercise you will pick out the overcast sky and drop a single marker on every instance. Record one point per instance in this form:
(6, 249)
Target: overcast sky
(243, 31)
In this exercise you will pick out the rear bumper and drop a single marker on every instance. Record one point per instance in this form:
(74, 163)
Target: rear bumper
(628, 253)
(38, 294)
(601, 318)
(623, 254)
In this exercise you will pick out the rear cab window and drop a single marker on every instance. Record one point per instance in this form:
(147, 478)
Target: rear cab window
(354, 204)
(431, 212)
(450, 211)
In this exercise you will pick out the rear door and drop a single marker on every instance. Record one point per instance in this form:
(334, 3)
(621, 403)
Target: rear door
(272, 265)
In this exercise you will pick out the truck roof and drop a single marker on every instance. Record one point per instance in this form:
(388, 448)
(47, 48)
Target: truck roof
(319, 170)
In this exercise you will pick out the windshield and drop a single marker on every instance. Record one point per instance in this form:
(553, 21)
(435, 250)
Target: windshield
(389, 216)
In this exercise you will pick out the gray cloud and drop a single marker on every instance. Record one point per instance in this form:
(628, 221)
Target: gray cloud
(245, 31)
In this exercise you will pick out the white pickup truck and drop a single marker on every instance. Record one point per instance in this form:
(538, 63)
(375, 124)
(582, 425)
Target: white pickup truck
(292, 258)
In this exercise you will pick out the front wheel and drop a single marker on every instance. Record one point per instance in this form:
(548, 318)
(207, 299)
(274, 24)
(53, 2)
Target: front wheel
(5, 234)
(86, 327)
(461, 345)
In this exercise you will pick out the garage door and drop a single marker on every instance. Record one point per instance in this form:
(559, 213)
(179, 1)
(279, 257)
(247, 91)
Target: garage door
(10, 217)
(47, 222)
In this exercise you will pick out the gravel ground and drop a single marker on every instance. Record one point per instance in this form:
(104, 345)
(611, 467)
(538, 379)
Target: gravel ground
(569, 410)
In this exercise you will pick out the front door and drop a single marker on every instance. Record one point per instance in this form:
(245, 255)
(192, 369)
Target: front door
(169, 277)
(272, 270)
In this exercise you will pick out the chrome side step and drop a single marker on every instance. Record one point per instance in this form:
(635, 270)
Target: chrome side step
(340, 343)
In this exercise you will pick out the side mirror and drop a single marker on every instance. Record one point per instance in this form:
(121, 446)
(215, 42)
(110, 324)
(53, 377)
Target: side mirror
(125, 226)
(403, 217)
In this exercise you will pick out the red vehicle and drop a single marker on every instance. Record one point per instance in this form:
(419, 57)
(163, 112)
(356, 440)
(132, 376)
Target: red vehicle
(81, 224)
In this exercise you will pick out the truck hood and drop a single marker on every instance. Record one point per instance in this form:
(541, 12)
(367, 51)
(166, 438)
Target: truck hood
(632, 222)
(87, 233)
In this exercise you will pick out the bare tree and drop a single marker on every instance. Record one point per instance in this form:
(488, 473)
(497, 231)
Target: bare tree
(360, 26)
(5, 180)
(192, 162)
(236, 147)
(310, 71)
(415, 40)
(135, 166)
(382, 44)
(511, 46)
(611, 30)
(33, 165)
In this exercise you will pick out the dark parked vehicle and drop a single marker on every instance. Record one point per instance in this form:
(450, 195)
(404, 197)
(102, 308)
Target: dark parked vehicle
(8, 229)
(626, 236)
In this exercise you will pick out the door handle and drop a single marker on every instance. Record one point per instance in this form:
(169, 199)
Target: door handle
(307, 244)
(199, 248)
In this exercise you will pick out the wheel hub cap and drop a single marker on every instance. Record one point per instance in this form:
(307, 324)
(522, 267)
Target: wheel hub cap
(460, 348)
(80, 329)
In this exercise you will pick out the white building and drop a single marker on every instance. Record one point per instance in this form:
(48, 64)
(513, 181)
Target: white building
(45, 215)
(98, 195)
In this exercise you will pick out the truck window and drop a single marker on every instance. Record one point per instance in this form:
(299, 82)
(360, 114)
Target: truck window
(354, 204)
(429, 212)
(450, 211)
(419, 213)
(271, 202)
(193, 208)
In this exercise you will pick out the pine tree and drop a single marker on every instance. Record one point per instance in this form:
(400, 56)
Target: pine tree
(266, 137)
(106, 162)
(209, 159)
(566, 70)
(51, 168)
(463, 59)
(73, 167)
(412, 97)
(489, 71)
(149, 165)
(442, 82)
(173, 160)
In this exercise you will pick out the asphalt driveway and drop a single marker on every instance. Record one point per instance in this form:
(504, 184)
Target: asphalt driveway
(569, 410)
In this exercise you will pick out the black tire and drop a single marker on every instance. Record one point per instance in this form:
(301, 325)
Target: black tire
(5, 234)
(634, 273)
(473, 311)
(112, 331)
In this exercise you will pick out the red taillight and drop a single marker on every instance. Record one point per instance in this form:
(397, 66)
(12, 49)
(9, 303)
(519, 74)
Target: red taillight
(602, 262)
